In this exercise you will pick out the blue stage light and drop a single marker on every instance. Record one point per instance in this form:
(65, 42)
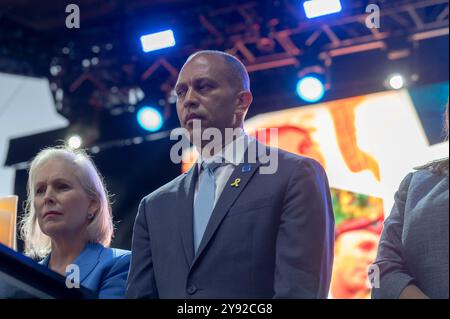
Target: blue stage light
(150, 119)
(310, 89)
(157, 41)
(317, 8)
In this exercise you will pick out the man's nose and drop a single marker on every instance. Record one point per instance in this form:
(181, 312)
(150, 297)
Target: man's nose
(191, 99)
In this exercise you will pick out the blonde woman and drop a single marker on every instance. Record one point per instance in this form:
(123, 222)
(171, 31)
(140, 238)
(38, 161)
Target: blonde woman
(68, 222)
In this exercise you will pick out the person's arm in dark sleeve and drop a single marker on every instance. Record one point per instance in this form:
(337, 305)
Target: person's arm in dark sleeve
(305, 241)
(141, 279)
(395, 281)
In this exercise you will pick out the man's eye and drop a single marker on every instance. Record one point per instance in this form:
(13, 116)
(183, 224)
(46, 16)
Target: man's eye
(180, 93)
(204, 87)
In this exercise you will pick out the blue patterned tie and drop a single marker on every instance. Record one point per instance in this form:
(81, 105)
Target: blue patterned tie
(204, 202)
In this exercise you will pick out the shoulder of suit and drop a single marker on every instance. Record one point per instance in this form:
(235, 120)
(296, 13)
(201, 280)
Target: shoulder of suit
(120, 252)
(170, 187)
(437, 167)
(295, 158)
(115, 253)
(425, 176)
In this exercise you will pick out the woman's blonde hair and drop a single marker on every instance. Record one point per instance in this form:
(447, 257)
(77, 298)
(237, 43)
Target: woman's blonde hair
(101, 228)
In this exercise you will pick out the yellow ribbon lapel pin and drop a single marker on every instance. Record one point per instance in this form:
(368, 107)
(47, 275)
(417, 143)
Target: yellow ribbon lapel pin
(236, 182)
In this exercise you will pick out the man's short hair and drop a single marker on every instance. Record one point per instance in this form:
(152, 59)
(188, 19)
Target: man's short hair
(238, 73)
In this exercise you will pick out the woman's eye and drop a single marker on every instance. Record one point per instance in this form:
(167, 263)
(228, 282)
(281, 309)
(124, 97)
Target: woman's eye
(40, 191)
(63, 186)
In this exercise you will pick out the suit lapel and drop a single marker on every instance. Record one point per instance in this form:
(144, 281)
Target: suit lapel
(225, 201)
(88, 259)
(185, 208)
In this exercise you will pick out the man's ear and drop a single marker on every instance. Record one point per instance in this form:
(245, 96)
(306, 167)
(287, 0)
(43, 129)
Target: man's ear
(244, 99)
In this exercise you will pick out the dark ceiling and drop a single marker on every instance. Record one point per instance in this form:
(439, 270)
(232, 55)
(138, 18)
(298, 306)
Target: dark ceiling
(47, 15)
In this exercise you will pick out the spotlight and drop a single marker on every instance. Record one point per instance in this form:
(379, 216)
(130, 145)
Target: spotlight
(150, 119)
(157, 41)
(74, 141)
(310, 89)
(85, 63)
(396, 81)
(59, 95)
(172, 97)
(135, 95)
(55, 70)
(94, 61)
(318, 8)
(95, 49)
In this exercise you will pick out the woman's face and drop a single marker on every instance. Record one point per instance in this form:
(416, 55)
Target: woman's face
(62, 206)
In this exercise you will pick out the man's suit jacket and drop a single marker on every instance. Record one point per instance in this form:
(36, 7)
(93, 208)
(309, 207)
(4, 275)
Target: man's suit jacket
(102, 270)
(272, 236)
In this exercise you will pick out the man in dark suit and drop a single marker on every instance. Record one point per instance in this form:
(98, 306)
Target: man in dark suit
(232, 230)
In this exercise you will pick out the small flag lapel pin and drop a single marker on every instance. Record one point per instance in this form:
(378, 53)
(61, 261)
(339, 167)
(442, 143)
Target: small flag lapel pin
(246, 168)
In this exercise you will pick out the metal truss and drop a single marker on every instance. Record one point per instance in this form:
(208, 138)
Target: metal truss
(320, 39)
(263, 34)
(332, 37)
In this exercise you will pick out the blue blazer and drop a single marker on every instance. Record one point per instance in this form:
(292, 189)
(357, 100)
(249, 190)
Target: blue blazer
(270, 237)
(102, 270)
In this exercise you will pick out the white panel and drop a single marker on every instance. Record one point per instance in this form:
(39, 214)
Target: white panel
(26, 108)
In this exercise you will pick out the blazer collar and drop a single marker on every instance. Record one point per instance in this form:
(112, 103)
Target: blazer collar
(86, 261)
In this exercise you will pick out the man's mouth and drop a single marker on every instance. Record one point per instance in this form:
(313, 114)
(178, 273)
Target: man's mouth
(191, 117)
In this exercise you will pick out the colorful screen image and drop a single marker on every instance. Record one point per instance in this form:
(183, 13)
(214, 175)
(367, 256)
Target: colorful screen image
(359, 222)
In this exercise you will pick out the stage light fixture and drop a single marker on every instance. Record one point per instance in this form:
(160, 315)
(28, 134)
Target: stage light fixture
(150, 119)
(158, 41)
(396, 81)
(310, 88)
(318, 8)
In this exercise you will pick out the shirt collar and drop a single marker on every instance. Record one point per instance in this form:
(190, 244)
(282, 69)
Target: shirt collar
(232, 153)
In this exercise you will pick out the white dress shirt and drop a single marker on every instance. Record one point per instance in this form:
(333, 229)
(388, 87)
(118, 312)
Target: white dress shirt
(232, 155)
